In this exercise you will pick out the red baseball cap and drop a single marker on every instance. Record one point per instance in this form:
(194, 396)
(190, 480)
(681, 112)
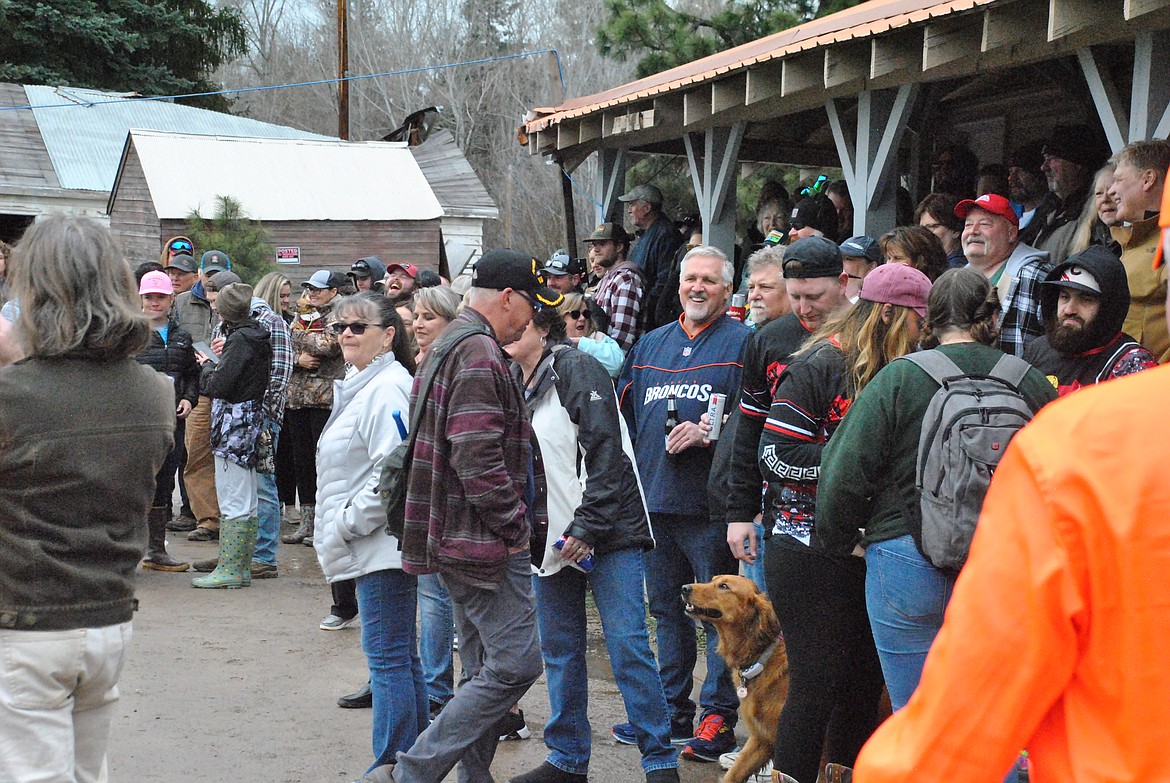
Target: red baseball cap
(989, 202)
(409, 269)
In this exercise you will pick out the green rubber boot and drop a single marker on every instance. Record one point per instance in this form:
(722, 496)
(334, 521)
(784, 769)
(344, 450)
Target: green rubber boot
(234, 559)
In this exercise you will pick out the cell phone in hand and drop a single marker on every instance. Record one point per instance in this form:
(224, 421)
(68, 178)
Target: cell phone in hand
(205, 349)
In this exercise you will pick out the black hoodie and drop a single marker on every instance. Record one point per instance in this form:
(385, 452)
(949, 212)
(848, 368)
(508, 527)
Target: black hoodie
(1113, 353)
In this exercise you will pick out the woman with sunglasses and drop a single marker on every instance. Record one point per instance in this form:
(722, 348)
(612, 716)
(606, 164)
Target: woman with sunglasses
(583, 333)
(371, 407)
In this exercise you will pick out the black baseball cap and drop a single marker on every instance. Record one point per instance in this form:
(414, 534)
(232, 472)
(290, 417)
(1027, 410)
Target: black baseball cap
(184, 263)
(862, 247)
(500, 269)
(818, 213)
(812, 257)
(361, 268)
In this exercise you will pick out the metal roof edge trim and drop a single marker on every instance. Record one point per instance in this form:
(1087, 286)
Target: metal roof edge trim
(799, 45)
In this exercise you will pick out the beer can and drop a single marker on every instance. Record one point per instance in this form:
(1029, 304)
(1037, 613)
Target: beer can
(715, 414)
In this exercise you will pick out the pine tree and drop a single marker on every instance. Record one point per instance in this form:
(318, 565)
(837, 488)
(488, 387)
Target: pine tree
(245, 241)
(662, 36)
(152, 47)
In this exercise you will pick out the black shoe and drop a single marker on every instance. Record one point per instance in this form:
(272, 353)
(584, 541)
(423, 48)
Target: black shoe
(666, 775)
(362, 700)
(434, 708)
(547, 773)
(513, 727)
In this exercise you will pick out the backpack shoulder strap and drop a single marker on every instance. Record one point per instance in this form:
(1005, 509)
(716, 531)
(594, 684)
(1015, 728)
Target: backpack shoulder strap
(440, 350)
(1010, 369)
(936, 364)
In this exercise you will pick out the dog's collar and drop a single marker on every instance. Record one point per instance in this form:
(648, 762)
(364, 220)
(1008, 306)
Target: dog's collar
(757, 668)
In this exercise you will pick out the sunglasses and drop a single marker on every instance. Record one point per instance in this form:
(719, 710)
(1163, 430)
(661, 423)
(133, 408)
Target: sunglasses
(575, 314)
(357, 327)
(179, 247)
(536, 306)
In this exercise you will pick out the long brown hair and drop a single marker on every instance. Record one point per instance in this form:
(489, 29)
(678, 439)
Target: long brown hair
(867, 340)
(962, 299)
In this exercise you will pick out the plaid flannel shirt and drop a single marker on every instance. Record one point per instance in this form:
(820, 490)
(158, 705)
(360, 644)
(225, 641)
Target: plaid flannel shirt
(282, 359)
(1021, 322)
(620, 295)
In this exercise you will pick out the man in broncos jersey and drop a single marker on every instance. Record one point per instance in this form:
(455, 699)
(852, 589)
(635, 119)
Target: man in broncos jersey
(1083, 303)
(814, 276)
(689, 359)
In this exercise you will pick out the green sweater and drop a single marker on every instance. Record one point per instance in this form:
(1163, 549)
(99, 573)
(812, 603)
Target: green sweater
(873, 454)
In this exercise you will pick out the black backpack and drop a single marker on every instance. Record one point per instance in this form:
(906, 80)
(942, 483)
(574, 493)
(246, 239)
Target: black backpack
(966, 429)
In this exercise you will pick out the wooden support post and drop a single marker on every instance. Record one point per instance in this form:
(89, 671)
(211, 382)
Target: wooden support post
(570, 212)
(1148, 115)
(611, 181)
(713, 173)
(869, 154)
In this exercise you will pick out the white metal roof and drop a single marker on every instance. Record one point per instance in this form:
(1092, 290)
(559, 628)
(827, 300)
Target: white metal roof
(279, 179)
(85, 130)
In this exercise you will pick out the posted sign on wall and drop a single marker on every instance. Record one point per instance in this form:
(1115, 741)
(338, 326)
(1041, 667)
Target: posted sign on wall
(288, 255)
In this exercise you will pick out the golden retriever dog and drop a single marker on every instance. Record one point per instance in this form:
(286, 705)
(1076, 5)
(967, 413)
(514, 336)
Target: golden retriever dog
(748, 629)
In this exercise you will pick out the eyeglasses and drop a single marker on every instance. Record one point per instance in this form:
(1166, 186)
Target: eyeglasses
(357, 327)
(536, 306)
(575, 314)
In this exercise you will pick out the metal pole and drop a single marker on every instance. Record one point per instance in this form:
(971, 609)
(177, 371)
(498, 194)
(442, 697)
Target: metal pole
(342, 70)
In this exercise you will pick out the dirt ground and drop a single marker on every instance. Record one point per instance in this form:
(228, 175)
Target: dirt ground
(242, 685)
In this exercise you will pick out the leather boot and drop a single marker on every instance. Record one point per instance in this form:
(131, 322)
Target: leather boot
(234, 557)
(157, 558)
(304, 530)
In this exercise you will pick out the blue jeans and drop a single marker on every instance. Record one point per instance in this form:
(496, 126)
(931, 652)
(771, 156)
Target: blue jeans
(269, 509)
(616, 580)
(905, 597)
(688, 549)
(386, 600)
(436, 637)
(755, 571)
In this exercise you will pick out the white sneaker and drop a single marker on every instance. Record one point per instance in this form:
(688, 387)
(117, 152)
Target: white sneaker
(335, 623)
(763, 776)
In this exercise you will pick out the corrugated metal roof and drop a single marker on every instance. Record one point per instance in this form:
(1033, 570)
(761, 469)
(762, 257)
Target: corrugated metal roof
(861, 21)
(85, 138)
(281, 179)
(452, 178)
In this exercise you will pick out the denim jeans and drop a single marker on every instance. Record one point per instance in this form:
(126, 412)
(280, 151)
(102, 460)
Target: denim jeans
(755, 571)
(688, 549)
(500, 651)
(905, 597)
(387, 603)
(58, 696)
(269, 509)
(616, 580)
(436, 638)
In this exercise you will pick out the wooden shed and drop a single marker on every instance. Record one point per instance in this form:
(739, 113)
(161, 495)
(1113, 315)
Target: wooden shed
(331, 201)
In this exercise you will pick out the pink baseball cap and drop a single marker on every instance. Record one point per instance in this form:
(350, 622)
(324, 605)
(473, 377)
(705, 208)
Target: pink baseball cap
(991, 202)
(897, 284)
(156, 283)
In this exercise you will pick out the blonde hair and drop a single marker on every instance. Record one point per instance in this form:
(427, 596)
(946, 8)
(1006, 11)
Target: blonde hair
(268, 289)
(868, 342)
(77, 294)
(1083, 235)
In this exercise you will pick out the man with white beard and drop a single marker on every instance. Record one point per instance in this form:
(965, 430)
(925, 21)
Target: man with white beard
(991, 242)
(685, 362)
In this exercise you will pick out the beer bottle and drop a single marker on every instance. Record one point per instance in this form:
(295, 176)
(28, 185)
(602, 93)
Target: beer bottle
(672, 420)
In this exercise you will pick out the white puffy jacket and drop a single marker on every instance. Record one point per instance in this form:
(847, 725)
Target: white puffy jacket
(350, 535)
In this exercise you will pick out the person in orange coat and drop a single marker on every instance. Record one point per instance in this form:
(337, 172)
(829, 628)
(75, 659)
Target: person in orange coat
(1056, 635)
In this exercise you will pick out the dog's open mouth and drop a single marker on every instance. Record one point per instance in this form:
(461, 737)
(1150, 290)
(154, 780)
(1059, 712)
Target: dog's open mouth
(702, 611)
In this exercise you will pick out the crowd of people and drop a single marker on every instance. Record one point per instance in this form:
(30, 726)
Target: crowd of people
(658, 413)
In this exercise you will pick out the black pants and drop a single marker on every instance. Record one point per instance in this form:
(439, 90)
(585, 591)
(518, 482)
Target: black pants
(286, 466)
(304, 430)
(345, 603)
(835, 676)
(164, 480)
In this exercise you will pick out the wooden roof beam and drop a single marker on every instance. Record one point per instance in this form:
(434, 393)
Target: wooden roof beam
(764, 81)
(590, 129)
(847, 64)
(668, 110)
(802, 72)
(1068, 17)
(568, 134)
(897, 53)
(1015, 24)
(696, 105)
(1132, 9)
(952, 41)
(729, 92)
